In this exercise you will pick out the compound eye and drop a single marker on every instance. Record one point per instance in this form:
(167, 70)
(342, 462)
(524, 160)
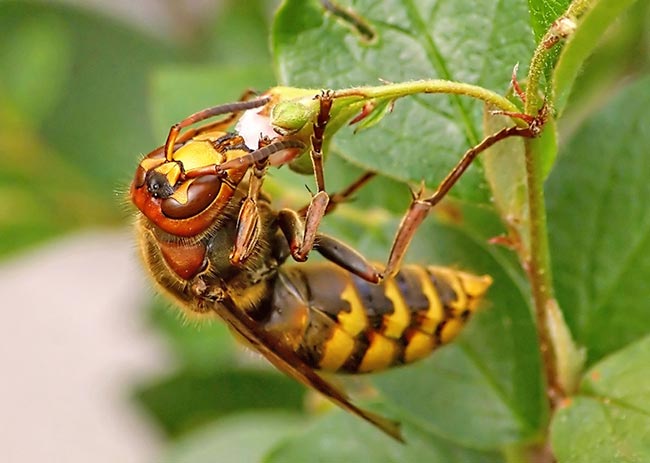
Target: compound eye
(140, 177)
(200, 195)
(158, 185)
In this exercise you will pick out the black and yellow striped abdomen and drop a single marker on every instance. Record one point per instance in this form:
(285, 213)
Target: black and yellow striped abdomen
(338, 322)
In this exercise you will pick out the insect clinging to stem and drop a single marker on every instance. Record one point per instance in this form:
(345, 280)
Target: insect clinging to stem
(291, 122)
(213, 242)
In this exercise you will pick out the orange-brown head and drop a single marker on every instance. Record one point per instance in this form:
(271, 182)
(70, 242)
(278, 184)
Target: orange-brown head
(183, 196)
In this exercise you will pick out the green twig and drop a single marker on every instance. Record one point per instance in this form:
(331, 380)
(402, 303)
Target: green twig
(561, 28)
(392, 91)
(539, 265)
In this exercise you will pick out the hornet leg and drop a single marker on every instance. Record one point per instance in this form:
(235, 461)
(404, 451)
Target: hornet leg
(420, 206)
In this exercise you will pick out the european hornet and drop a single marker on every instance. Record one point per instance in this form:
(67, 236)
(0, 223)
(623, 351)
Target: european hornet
(214, 244)
(283, 124)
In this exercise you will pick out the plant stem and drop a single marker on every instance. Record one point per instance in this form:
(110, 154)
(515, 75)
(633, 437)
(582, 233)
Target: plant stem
(392, 91)
(539, 271)
(576, 9)
(539, 263)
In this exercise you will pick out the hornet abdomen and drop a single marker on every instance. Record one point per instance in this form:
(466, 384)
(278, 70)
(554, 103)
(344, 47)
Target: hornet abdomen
(337, 322)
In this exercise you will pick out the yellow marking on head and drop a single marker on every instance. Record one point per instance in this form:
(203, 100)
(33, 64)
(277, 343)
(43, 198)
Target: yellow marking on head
(195, 154)
(151, 163)
(180, 194)
(435, 313)
(395, 323)
(354, 321)
(336, 350)
(420, 345)
(166, 167)
(451, 277)
(171, 170)
(450, 330)
(380, 354)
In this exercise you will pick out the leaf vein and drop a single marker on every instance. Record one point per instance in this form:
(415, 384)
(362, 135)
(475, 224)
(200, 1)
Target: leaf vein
(436, 60)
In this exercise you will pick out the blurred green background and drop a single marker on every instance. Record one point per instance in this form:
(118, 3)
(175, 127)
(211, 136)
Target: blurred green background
(97, 368)
(87, 87)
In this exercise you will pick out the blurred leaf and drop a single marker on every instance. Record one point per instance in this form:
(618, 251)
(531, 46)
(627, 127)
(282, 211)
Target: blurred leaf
(622, 53)
(42, 194)
(199, 345)
(581, 44)
(239, 37)
(609, 420)
(192, 398)
(69, 118)
(413, 40)
(339, 437)
(599, 222)
(32, 49)
(99, 123)
(242, 438)
(178, 91)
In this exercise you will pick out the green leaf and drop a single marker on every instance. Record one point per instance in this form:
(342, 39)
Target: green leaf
(100, 123)
(623, 52)
(65, 135)
(585, 39)
(92, 120)
(608, 420)
(204, 345)
(42, 194)
(505, 171)
(425, 135)
(178, 91)
(242, 438)
(192, 398)
(599, 223)
(544, 12)
(239, 36)
(339, 437)
(375, 116)
(32, 49)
